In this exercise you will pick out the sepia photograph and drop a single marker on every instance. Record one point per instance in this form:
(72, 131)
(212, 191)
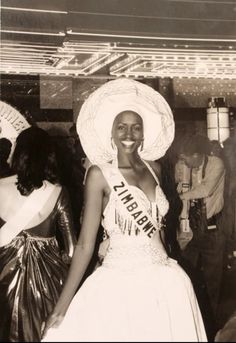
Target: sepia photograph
(118, 171)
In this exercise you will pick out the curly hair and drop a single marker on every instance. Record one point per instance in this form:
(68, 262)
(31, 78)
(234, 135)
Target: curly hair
(34, 160)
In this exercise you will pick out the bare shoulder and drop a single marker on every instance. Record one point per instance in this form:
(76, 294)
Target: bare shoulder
(8, 186)
(156, 167)
(10, 194)
(95, 177)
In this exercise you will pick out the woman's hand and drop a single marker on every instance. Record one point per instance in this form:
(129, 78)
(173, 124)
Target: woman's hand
(53, 321)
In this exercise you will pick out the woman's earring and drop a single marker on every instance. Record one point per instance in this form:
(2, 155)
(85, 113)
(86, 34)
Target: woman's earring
(141, 146)
(113, 144)
(114, 153)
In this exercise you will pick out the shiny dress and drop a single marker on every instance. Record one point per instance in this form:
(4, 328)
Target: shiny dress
(32, 272)
(138, 294)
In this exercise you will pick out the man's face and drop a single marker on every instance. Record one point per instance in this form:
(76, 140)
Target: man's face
(193, 160)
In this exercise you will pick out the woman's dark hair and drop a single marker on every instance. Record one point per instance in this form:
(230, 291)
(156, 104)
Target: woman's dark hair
(5, 149)
(34, 160)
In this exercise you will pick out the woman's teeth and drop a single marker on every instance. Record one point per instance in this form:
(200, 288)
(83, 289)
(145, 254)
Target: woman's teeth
(128, 143)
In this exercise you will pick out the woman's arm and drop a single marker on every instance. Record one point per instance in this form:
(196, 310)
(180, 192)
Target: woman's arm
(94, 189)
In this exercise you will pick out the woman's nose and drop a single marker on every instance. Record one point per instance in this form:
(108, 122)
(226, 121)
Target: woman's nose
(129, 133)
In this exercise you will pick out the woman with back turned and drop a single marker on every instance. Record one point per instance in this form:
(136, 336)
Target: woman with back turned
(34, 209)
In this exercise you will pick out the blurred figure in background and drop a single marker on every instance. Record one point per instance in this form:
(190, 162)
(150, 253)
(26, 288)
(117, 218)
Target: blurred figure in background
(35, 210)
(227, 333)
(5, 150)
(229, 212)
(168, 184)
(69, 152)
(204, 254)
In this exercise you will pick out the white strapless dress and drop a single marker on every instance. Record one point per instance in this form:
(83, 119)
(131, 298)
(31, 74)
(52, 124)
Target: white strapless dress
(139, 294)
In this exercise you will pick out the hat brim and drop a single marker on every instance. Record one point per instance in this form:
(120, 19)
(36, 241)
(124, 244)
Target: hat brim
(95, 120)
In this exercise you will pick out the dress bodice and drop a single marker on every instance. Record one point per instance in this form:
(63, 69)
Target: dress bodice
(129, 246)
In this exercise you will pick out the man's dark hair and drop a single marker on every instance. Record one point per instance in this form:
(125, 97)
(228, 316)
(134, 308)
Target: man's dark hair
(192, 144)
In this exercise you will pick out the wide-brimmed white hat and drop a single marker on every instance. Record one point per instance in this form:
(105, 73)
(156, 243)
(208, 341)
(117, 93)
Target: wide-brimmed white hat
(96, 117)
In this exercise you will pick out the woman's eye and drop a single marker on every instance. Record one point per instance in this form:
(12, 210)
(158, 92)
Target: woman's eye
(120, 127)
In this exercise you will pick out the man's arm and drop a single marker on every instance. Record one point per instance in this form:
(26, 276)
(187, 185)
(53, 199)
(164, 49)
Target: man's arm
(214, 172)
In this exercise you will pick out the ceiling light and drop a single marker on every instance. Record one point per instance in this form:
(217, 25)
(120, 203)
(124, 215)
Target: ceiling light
(70, 32)
(32, 10)
(34, 33)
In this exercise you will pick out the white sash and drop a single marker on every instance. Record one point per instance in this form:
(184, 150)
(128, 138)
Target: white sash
(126, 197)
(33, 204)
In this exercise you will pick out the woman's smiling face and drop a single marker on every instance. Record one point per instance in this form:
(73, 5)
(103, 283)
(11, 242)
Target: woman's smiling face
(127, 131)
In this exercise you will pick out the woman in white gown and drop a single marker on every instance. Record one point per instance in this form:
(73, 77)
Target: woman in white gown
(138, 293)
